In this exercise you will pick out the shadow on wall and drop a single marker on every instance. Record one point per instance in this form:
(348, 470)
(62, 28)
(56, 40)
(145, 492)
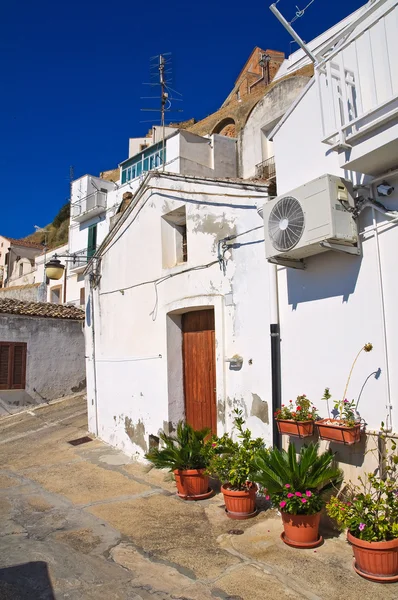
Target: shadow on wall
(327, 275)
(28, 581)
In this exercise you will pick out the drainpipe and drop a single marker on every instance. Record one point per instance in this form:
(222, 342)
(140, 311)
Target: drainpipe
(276, 378)
(93, 353)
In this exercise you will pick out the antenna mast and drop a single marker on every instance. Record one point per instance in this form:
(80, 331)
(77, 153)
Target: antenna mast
(163, 66)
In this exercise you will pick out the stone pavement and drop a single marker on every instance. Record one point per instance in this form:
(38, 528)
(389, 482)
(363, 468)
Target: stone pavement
(85, 522)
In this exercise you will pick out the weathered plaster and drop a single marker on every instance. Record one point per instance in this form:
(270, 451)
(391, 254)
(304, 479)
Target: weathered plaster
(259, 409)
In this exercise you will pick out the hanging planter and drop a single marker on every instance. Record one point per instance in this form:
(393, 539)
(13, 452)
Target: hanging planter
(336, 430)
(296, 420)
(299, 429)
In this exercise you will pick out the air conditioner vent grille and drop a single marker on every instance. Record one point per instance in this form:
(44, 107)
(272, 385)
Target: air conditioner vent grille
(286, 223)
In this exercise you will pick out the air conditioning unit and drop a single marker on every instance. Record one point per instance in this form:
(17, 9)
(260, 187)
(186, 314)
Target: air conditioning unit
(313, 218)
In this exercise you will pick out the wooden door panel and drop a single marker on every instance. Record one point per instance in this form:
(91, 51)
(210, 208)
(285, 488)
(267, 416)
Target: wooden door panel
(4, 366)
(12, 365)
(199, 369)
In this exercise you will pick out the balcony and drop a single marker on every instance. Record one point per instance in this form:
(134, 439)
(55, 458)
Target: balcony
(266, 169)
(81, 259)
(358, 90)
(90, 206)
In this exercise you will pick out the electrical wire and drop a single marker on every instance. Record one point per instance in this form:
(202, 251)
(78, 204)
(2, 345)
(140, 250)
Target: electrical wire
(300, 12)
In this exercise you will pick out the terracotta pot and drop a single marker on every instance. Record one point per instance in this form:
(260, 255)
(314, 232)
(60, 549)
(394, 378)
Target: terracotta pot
(301, 531)
(191, 483)
(295, 428)
(329, 429)
(240, 504)
(377, 561)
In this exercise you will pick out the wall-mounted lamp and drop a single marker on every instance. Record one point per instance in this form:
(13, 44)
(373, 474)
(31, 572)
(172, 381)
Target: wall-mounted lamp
(55, 269)
(235, 362)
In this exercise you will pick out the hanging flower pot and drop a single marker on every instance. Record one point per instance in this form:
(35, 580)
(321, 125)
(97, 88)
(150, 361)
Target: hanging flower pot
(240, 504)
(336, 430)
(299, 429)
(377, 561)
(192, 484)
(296, 419)
(301, 531)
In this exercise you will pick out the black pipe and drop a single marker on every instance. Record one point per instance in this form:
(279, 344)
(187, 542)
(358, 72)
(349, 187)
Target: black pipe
(276, 380)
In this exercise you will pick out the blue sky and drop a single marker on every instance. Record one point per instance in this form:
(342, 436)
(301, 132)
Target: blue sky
(72, 75)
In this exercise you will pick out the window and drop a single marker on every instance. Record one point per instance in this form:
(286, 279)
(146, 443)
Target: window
(21, 270)
(12, 365)
(92, 241)
(82, 296)
(150, 158)
(56, 294)
(174, 238)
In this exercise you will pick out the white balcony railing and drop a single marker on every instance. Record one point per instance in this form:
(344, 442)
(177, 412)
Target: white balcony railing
(89, 206)
(358, 80)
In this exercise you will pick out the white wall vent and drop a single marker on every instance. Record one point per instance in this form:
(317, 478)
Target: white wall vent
(311, 219)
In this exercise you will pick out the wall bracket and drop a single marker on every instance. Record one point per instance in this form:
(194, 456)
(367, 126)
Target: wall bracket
(355, 250)
(291, 263)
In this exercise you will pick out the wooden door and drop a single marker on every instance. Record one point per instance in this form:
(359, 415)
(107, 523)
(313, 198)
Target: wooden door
(199, 369)
(12, 366)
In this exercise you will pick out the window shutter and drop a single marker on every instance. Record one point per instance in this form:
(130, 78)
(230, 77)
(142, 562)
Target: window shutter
(4, 362)
(92, 241)
(18, 367)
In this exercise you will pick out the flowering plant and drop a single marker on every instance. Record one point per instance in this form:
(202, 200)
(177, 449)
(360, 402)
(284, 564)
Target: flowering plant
(369, 510)
(293, 502)
(233, 461)
(296, 484)
(302, 410)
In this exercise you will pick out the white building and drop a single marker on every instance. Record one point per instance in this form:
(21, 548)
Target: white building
(94, 201)
(176, 323)
(345, 123)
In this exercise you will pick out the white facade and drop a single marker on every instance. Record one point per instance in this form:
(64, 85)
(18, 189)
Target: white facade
(134, 365)
(340, 302)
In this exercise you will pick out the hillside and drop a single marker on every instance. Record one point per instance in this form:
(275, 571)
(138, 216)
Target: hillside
(57, 231)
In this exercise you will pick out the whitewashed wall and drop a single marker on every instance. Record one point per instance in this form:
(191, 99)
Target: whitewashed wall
(137, 379)
(335, 306)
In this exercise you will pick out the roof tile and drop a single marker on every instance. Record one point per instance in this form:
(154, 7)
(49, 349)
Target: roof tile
(40, 309)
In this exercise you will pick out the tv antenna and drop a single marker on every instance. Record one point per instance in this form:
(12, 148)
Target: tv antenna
(162, 64)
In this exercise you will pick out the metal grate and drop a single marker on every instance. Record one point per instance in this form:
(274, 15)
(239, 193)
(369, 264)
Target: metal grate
(79, 441)
(266, 169)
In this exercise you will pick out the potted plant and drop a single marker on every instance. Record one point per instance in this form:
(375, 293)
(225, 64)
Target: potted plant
(369, 512)
(186, 454)
(298, 419)
(296, 486)
(346, 429)
(232, 461)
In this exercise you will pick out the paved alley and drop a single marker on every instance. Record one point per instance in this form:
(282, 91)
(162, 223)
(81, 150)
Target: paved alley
(84, 522)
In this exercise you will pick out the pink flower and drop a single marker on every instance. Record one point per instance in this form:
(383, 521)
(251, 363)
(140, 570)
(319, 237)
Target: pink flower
(213, 445)
(303, 500)
(361, 526)
(282, 504)
(287, 485)
(299, 494)
(267, 497)
(290, 495)
(283, 406)
(308, 493)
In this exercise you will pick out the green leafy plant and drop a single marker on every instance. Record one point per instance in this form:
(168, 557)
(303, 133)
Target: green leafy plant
(296, 485)
(302, 410)
(232, 461)
(345, 409)
(187, 449)
(369, 509)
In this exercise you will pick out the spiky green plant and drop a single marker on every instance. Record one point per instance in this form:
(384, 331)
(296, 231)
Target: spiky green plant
(186, 449)
(278, 470)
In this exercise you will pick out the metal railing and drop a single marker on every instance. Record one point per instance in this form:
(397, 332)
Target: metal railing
(81, 258)
(96, 200)
(266, 169)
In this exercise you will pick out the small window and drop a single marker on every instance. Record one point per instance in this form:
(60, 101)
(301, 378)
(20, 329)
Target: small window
(82, 296)
(12, 365)
(56, 294)
(92, 241)
(174, 238)
(21, 270)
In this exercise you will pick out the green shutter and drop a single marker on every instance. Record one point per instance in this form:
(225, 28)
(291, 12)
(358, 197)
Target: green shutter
(92, 241)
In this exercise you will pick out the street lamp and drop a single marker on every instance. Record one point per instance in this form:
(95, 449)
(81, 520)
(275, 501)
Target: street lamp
(54, 269)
